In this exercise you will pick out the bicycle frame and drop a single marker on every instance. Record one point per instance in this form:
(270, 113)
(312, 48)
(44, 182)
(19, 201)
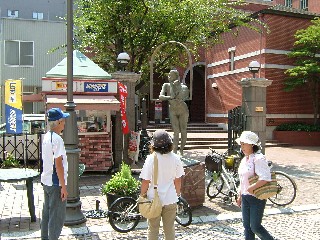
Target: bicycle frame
(229, 180)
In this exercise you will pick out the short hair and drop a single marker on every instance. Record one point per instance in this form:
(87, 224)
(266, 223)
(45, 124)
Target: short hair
(175, 71)
(255, 148)
(162, 150)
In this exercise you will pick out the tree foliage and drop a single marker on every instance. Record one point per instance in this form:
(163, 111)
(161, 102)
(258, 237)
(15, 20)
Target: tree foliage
(108, 27)
(306, 73)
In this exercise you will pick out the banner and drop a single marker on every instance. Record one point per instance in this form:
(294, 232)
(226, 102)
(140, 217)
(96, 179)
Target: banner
(13, 106)
(123, 94)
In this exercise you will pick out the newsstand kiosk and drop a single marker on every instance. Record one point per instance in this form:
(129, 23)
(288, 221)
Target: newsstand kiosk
(95, 96)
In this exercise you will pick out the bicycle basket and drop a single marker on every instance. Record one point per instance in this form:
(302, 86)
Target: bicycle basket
(213, 162)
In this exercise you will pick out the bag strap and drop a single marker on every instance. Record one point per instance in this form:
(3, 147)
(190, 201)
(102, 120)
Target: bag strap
(155, 171)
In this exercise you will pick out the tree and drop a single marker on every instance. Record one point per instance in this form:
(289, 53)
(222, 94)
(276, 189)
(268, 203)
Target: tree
(306, 73)
(108, 27)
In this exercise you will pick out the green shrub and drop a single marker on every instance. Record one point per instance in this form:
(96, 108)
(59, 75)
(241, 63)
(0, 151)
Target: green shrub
(10, 161)
(298, 126)
(122, 183)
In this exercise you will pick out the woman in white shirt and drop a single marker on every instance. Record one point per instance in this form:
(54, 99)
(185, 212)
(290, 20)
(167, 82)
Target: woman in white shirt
(254, 162)
(170, 171)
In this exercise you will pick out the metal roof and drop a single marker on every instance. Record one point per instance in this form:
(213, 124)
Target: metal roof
(83, 67)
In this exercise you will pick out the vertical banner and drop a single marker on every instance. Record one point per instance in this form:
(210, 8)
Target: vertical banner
(13, 106)
(123, 94)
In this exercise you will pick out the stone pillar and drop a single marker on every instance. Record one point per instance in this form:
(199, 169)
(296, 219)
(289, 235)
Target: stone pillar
(122, 142)
(254, 91)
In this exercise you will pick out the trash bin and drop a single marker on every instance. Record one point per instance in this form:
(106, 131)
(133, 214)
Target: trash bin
(193, 182)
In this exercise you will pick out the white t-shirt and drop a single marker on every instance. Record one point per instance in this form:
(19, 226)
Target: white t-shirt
(256, 163)
(169, 168)
(53, 147)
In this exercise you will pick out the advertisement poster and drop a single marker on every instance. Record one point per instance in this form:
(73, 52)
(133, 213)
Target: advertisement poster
(13, 106)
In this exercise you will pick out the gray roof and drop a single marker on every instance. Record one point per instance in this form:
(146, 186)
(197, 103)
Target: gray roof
(83, 67)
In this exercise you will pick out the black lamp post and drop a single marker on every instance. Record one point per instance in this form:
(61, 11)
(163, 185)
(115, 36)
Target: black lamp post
(70, 134)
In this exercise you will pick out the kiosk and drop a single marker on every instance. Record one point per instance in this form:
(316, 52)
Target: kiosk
(95, 96)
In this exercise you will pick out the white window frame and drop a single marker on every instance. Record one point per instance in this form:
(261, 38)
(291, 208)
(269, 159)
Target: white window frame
(288, 3)
(304, 5)
(37, 15)
(232, 54)
(13, 13)
(21, 56)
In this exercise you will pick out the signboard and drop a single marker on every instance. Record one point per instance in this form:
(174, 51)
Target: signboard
(13, 106)
(95, 87)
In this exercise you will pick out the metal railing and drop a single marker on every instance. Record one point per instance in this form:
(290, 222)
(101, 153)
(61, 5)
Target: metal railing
(236, 124)
(24, 147)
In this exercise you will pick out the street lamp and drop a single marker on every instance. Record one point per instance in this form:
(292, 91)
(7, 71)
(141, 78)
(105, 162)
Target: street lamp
(254, 67)
(74, 215)
(123, 60)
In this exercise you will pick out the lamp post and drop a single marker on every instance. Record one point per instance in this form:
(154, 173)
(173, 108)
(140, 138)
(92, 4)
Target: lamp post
(129, 79)
(254, 67)
(123, 60)
(70, 134)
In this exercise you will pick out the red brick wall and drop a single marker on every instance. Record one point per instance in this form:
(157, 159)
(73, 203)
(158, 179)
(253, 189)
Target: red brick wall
(280, 37)
(96, 151)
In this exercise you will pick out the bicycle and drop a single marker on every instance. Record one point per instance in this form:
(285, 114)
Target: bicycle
(223, 176)
(124, 215)
(226, 181)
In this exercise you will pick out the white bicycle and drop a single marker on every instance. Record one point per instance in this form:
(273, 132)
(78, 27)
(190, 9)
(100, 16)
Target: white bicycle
(223, 172)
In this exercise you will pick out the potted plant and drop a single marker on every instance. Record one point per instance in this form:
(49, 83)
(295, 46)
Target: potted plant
(10, 161)
(121, 184)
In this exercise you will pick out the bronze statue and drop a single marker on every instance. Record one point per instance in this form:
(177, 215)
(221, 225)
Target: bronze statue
(176, 93)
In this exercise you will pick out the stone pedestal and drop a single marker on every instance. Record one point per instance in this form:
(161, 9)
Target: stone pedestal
(254, 92)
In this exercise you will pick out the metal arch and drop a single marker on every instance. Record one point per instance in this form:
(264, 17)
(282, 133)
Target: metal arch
(183, 80)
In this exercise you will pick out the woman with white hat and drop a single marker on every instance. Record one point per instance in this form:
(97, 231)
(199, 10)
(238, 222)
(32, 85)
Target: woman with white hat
(254, 162)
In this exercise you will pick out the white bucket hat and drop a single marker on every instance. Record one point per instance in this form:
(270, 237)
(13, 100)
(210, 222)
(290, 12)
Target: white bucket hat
(249, 137)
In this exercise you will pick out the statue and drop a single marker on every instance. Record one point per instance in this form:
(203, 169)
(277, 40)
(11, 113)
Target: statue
(176, 93)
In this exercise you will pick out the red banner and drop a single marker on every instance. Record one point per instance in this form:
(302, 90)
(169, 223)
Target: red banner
(123, 94)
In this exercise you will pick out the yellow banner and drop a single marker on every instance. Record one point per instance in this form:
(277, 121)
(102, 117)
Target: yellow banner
(13, 93)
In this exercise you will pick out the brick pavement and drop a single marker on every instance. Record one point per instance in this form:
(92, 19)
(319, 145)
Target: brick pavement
(300, 162)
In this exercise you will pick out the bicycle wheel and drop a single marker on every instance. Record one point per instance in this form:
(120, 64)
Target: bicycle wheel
(184, 214)
(124, 215)
(287, 190)
(215, 187)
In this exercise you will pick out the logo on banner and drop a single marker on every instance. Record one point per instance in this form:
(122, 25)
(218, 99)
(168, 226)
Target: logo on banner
(13, 106)
(123, 94)
(95, 87)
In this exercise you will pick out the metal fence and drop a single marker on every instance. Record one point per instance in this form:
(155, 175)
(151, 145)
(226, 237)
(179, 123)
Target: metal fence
(24, 147)
(236, 124)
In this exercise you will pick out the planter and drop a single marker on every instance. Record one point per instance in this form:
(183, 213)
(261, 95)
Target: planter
(298, 138)
(193, 184)
(113, 197)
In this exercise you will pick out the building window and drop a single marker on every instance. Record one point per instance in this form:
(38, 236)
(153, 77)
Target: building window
(36, 15)
(232, 54)
(288, 3)
(19, 53)
(13, 13)
(304, 4)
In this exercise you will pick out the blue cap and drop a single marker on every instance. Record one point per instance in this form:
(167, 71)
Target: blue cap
(55, 114)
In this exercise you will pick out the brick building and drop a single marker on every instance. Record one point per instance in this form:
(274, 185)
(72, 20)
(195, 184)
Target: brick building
(227, 63)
